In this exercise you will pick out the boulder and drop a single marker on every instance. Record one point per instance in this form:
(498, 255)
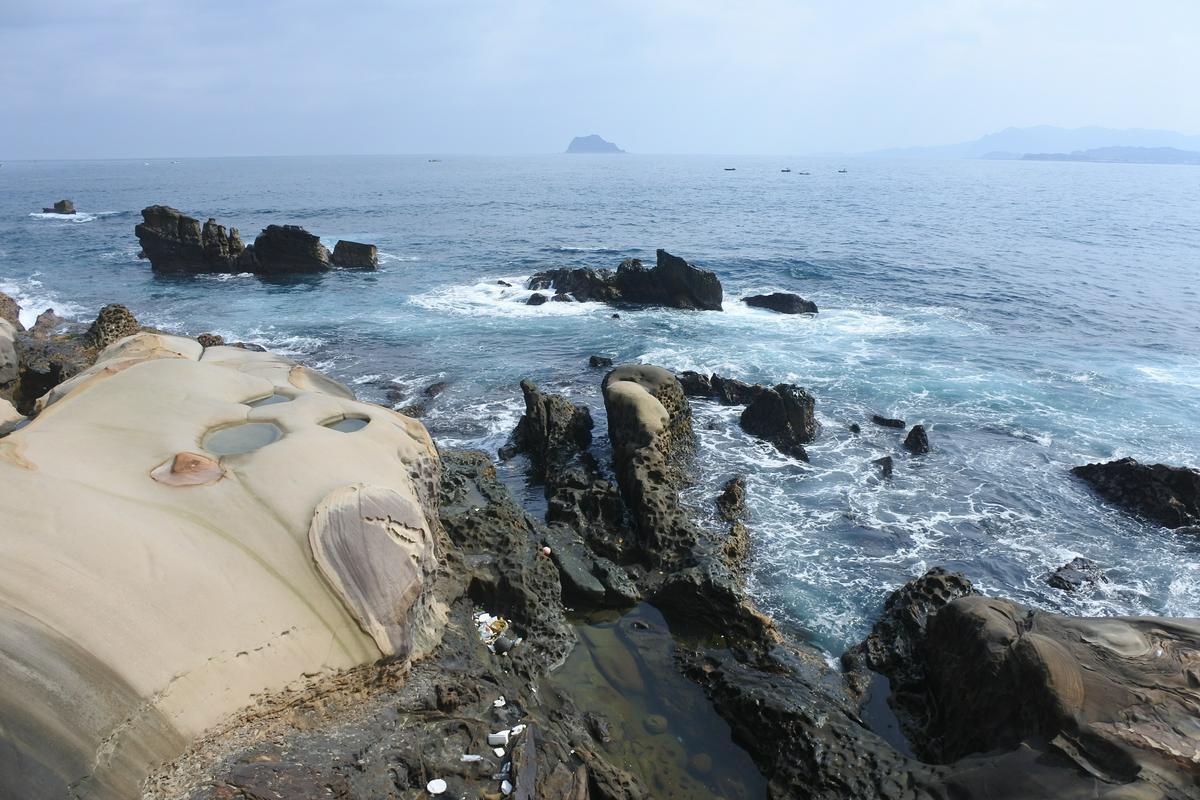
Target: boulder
(1169, 496)
(354, 255)
(586, 285)
(672, 282)
(175, 242)
(114, 322)
(10, 311)
(784, 416)
(46, 324)
(552, 431)
(888, 422)
(732, 392)
(1076, 574)
(917, 441)
(886, 466)
(783, 302)
(285, 249)
(731, 502)
(536, 299)
(694, 384)
(45, 362)
(317, 552)
(61, 207)
(600, 362)
(561, 297)
(210, 340)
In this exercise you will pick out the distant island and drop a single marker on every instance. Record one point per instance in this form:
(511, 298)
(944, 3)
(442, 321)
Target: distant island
(1122, 155)
(1013, 143)
(592, 144)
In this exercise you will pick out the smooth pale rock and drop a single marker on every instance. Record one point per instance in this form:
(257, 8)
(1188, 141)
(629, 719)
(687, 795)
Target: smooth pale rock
(9, 417)
(8, 353)
(141, 604)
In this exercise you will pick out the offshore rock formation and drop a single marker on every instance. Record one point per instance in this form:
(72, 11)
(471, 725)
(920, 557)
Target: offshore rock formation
(785, 416)
(783, 302)
(61, 207)
(191, 572)
(355, 255)
(1167, 495)
(672, 282)
(592, 143)
(175, 242)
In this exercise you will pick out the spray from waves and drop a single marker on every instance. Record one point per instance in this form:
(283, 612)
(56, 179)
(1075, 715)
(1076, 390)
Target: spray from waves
(599, 250)
(493, 298)
(393, 258)
(34, 298)
(76, 218)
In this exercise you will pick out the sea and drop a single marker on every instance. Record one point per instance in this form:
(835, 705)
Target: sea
(1031, 315)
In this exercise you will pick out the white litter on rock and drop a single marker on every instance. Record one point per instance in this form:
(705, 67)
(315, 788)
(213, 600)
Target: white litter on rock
(498, 739)
(492, 628)
(437, 786)
(516, 730)
(499, 751)
(500, 703)
(506, 787)
(470, 758)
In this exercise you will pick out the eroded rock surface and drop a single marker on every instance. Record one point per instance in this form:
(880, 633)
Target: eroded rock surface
(781, 302)
(355, 255)
(671, 282)
(785, 416)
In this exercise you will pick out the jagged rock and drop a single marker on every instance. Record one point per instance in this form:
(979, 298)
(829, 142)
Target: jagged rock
(694, 384)
(732, 392)
(535, 299)
(731, 502)
(1167, 495)
(552, 430)
(917, 442)
(210, 340)
(561, 298)
(285, 249)
(1075, 574)
(355, 255)
(10, 311)
(888, 422)
(114, 322)
(620, 590)
(672, 282)
(61, 207)
(44, 363)
(157, 656)
(784, 416)
(575, 567)
(886, 466)
(46, 324)
(783, 302)
(175, 242)
(600, 362)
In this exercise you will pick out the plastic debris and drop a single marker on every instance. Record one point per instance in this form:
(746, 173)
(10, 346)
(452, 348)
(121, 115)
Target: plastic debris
(492, 628)
(437, 786)
(499, 702)
(499, 751)
(545, 551)
(498, 739)
(506, 787)
(470, 758)
(516, 730)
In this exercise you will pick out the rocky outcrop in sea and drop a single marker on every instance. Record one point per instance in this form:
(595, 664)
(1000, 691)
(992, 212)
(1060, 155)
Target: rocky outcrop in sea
(174, 242)
(672, 282)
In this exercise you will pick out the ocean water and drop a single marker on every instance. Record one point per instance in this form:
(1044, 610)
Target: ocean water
(1032, 316)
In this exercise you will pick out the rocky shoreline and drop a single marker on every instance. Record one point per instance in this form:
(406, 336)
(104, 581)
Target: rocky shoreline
(320, 636)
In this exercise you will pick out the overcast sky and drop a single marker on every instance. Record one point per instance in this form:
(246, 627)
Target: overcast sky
(145, 78)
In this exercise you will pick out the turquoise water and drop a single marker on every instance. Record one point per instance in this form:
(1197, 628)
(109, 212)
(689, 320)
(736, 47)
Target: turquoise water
(1032, 315)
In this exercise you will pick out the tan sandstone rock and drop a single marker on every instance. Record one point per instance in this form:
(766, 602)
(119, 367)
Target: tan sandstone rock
(150, 587)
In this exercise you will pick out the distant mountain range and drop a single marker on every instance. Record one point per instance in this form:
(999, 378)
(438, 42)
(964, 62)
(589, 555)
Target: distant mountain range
(1016, 142)
(592, 144)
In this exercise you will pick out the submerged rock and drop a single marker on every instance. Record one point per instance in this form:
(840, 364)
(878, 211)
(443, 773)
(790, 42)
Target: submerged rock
(1167, 495)
(535, 299)
(599, 362)
(355, 255)
(783, 302)
(61, 207)
(886, 466)
(784, 416)
(694, 384)
(888, 422)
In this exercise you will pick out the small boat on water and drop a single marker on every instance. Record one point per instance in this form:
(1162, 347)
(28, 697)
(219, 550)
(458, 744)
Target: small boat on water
(804, 173)
(731, 169)
(842, 171)
(785, 169)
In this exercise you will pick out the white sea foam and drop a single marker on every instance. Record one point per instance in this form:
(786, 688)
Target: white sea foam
(490, 298)
(77, 217)
(1174, 376)
(34, 298)
(389, 258)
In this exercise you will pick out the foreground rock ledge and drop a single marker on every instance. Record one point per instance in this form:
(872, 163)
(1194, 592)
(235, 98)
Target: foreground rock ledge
(152, 587)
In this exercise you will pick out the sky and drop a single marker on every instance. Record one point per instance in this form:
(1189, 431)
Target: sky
(176, 78)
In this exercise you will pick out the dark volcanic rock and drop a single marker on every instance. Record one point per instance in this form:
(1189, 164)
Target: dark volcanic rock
(1167, 495)
(888, 422)
(552, 430)
(45, 362)
(783, 302)
(46, 324)
(175, 242)
(286, 249)
(672, 282)
(694, 384)
(10, 311)
(784, 416)
(886, 466)
(732, 392)
(731, 502)
(114, 322)
(61, 207)
(354, 255)
(210, 340)
(599, 362)
(1075, 574)
(535, 299)
(917, 442)
(561, 297)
